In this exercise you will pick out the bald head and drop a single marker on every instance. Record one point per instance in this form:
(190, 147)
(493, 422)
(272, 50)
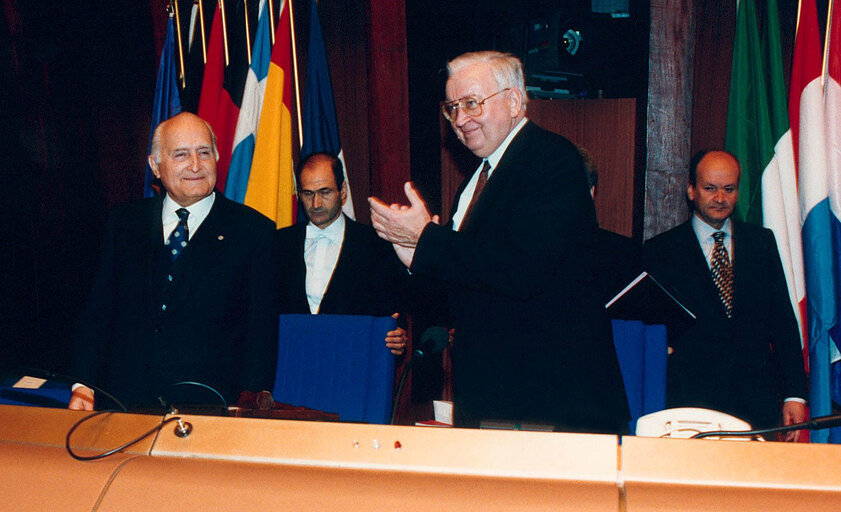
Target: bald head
(714, 186)
(178, 120)
(184, 158)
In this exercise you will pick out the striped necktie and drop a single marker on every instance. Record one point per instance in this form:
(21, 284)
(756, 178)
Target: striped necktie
(722, 272)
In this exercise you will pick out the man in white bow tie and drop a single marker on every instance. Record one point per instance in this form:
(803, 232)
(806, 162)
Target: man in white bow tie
(333, 265)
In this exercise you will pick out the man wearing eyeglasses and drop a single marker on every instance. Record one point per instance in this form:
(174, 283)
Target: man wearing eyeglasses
(532, 342)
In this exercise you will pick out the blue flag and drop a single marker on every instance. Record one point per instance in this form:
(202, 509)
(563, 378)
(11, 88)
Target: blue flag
(320, 127)
(167, 103)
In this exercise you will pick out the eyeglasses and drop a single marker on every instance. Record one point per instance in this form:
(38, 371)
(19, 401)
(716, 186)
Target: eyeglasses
(468, 106)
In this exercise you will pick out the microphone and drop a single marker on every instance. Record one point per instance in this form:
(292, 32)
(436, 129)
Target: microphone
(433, 341)
(819, 423)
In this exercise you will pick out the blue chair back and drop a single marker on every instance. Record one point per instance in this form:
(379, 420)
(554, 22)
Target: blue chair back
(641, 350)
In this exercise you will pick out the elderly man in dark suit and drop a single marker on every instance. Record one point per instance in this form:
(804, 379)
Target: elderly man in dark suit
(332, 264)
(742, 356)
(532, 341)
(185, 286)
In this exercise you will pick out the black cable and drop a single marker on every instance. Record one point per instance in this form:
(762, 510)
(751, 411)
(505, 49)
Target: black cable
(115, 450)
(817, 423)
(396, 399)
(199, 384)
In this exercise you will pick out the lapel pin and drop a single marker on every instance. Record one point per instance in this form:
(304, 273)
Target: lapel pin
(220, 237)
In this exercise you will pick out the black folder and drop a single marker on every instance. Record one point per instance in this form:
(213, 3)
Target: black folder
(649, 301)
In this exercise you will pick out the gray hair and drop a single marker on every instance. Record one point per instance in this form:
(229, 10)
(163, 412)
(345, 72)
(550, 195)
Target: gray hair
(507, 69)
(157, 135)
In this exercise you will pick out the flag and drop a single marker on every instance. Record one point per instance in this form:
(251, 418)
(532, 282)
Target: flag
(249, 113)
(818, 167)
(758, 134)
(320, 127)
(222, 86)
(271, 184)
(167, 102)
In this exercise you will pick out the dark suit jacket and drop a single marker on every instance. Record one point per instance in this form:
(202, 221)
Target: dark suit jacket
(742, 366)
(215, 322)
(368, 278)
(532, 341)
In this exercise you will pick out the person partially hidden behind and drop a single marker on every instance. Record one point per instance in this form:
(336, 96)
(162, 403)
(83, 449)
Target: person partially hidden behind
(742, 356)
(618, 257)
(333, 265)
(532, 342)
(185, 289)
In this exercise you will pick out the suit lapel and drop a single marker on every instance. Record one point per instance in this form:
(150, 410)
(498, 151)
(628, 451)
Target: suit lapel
(333, 295)
(154, 246)
(299, 269)
(497, 183)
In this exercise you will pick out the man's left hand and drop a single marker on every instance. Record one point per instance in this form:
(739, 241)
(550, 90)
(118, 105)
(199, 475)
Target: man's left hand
(793, 412)
(396, 340)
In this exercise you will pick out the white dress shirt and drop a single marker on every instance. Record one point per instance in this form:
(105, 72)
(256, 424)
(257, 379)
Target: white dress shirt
(493, 159)
(704, 232)
(321, 253)
(198, 212)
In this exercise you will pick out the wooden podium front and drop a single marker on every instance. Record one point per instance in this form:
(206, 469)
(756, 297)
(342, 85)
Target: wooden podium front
(242, 464)
(705, 475)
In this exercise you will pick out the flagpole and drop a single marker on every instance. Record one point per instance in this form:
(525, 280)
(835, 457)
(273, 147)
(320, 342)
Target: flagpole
(173, 8)
(247, 31)
(203, 36)
(295, 73)
(224, 32)
(827, 35)
(271, 20)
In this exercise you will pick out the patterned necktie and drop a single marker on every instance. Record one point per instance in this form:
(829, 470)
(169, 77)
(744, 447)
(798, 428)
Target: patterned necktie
(722, 272)
(480, 185)
(177, 240)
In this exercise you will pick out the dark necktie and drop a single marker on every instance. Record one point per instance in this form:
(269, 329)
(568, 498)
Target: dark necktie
(722, 272)
(177, 240)
(480, 185)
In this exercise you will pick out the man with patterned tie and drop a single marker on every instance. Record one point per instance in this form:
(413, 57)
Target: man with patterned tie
(184, 289)
(332, 264)
(742, 356)
(532, 342)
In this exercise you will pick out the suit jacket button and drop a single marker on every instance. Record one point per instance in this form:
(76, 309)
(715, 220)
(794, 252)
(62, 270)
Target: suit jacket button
(158, 329)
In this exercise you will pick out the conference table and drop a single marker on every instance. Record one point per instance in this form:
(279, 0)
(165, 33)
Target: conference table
(244, 464)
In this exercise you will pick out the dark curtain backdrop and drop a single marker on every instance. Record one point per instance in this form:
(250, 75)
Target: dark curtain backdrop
(78, 79)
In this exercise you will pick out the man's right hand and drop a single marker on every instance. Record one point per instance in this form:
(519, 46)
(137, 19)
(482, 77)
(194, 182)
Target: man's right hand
(81, 399)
